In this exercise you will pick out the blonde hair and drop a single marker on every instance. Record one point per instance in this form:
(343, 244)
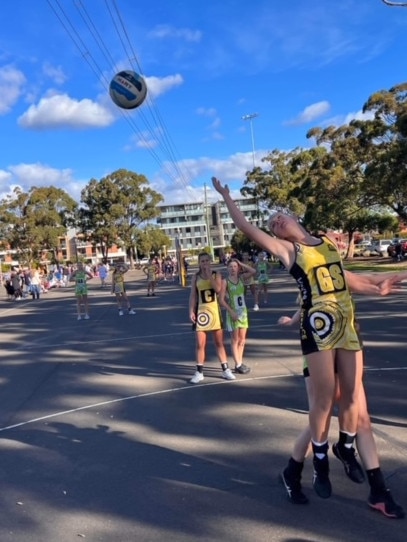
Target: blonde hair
(285, 213)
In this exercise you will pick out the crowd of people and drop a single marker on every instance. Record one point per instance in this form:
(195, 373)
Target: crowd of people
(21, 283)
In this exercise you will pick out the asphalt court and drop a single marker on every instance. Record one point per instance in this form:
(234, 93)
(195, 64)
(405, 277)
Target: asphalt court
(103, 438)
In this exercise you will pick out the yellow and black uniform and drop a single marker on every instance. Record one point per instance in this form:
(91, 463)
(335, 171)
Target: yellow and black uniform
(327, 313)
(208, 313)
(151, 271)
(118, 281)
(305, 368)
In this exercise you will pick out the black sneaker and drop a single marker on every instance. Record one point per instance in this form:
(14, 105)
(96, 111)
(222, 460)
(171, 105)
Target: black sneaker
(320, 480)
(384, 503)
(242, 369)
(347, 456)
(293, 487)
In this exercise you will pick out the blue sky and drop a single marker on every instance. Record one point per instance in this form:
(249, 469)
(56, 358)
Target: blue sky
(297, 64)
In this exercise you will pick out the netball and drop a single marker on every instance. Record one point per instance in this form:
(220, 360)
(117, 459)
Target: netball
(128, 89)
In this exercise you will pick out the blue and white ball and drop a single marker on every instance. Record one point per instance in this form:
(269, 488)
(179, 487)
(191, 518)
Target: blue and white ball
(128, 89)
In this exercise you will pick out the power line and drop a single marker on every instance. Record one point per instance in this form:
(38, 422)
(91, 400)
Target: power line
(165, 155)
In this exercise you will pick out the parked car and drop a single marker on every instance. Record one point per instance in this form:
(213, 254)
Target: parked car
(381, 245)
(392, 248)
(364, 247)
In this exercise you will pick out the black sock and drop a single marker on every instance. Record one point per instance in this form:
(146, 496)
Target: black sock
(294, 467)
(376, 480)
(199, 368)
(346, 440)
(224, 366)
(320, 450)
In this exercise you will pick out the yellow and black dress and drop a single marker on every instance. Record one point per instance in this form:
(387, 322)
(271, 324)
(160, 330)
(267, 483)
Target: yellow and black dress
(327, 313)
(118, 282)
(208, 313)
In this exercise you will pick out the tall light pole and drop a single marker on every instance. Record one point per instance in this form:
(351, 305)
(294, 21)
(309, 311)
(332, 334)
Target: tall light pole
(250, 118)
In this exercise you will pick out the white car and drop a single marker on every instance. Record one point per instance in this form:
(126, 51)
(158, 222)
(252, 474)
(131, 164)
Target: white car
(381, 245)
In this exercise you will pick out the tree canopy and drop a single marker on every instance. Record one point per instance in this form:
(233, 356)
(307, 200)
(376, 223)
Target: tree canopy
(114, 208)
(33, 222)
(352, 176)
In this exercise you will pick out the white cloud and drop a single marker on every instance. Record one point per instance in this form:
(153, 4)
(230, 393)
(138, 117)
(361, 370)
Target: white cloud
(5, 181)
(231, 170)
(161, 85)
(215, 124)
(144, 139)
(206, 111)
(147, 143)
(310, 113)
(39, 174)
(59, 110)
(341, 120)
(12, 82)
(168, 31)
(178, 188)
(28, 175)
(55, 73)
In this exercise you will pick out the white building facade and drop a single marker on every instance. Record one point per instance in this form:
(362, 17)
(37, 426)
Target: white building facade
(198, 225)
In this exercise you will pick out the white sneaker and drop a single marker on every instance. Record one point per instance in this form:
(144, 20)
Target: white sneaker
(86, 316)
(228, 375)
(256, 307)
(79, 317)
(131, 311)
(198, 377)
(120, 313)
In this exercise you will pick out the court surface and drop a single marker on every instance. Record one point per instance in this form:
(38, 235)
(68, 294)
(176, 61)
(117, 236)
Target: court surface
(103, 438)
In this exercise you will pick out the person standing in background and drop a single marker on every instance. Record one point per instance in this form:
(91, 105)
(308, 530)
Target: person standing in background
(263, 268)
(232, 298)
(80, 276)
(205, 315)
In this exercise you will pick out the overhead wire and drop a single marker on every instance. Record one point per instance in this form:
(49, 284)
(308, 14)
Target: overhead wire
(170, 166)
(167, 161)
(169, 145)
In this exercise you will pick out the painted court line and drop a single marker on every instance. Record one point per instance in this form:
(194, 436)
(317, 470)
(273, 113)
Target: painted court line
(39, 344)
(162, 392)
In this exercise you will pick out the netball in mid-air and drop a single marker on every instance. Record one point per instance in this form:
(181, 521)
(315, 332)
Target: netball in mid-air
(128, 89)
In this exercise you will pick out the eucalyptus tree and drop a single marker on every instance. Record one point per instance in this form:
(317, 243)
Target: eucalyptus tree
(385, 139)
(271, 186)
(339, 200)
(240, 243)
(151, 240)
(33, 222)
(115, 207)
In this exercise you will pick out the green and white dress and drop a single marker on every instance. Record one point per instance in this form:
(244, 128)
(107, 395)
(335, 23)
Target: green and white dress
(236, 300)
(81, 287)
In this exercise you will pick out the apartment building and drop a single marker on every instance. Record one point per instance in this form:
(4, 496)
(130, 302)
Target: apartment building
(198, 225)
(72, 247)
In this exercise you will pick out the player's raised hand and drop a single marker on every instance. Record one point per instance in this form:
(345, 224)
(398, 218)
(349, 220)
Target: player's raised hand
(222, 189)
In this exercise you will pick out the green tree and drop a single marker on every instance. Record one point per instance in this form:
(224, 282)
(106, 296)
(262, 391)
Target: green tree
(272, 186)
(240, 243)
(152, 240)
(385, 138)
(115, 207)
(33, 221)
